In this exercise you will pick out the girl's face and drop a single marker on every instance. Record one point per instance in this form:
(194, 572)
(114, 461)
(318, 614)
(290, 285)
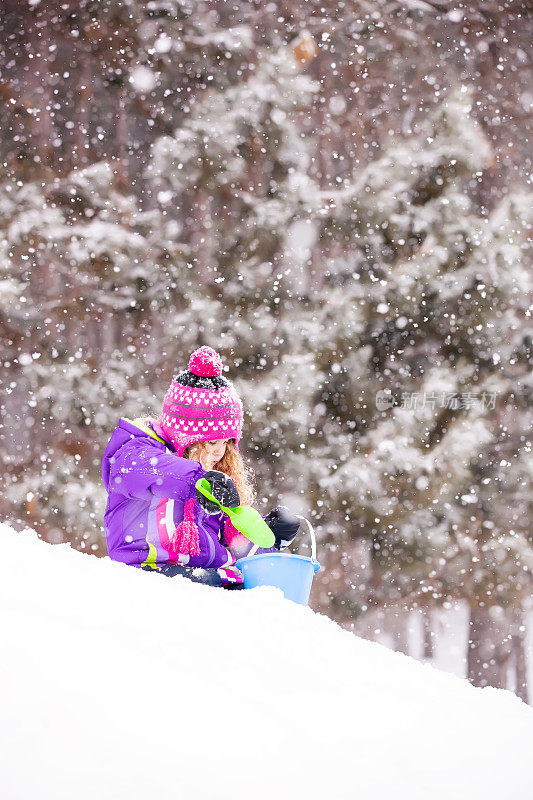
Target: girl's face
(212, 452)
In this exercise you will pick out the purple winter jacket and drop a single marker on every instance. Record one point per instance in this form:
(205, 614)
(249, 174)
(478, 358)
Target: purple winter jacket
(148, 486)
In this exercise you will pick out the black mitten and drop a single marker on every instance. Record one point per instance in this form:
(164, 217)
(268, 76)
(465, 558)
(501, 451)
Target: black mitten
(283, 525)
(222, 488)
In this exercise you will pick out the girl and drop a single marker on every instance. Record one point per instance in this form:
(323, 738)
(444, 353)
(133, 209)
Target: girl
(154, 517)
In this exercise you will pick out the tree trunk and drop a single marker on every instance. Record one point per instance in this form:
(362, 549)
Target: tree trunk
(518, 639)
(38, 79)
(201, 240)
(83, 103)
(121, 141)
(489, 646)
(428, 633)
(397, 623)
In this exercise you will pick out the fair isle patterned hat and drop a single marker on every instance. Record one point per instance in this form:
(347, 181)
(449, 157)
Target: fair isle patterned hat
(201, 405)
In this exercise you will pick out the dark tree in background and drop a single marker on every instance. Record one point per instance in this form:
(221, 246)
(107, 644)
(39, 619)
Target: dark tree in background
(336, 197)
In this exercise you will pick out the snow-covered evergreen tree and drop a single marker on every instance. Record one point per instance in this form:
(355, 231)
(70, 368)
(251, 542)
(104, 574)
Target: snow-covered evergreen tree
(432, 317)
(240, 154)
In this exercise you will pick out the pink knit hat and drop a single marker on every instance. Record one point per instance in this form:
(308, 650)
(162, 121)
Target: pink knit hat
(200, 405)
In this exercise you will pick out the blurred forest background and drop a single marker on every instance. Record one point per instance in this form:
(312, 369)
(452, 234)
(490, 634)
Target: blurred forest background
(335, 196)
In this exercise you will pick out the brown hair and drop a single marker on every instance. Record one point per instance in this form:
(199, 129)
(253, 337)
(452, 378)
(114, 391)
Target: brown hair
(232, 465)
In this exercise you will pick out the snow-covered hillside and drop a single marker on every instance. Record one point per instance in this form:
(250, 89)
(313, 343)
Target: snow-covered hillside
(119, 683)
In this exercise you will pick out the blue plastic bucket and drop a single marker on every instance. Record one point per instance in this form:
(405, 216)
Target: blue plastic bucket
(291, 573)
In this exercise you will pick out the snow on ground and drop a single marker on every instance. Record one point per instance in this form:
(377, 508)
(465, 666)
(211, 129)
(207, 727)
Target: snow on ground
(118, 683)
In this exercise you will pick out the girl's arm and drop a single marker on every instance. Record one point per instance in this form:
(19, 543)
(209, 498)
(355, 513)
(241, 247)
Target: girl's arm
(140, 470)
(281, 522)
(237, 543)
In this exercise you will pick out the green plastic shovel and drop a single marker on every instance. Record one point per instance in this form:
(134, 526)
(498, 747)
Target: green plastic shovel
(245, 518)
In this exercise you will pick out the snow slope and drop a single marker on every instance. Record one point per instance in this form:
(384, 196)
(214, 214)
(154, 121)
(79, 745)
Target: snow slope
(119, 683)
